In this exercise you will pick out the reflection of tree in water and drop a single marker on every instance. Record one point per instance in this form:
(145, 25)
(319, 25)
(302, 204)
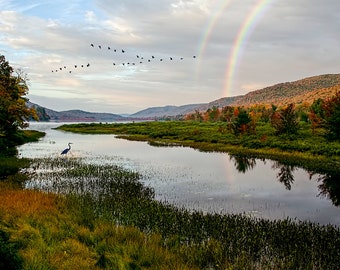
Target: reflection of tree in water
(285, 175)
(329, 183)
(242, 163)
(329, 187)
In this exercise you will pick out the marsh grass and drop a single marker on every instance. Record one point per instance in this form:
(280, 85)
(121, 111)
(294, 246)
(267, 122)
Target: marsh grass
(48, 231)
(102, 217)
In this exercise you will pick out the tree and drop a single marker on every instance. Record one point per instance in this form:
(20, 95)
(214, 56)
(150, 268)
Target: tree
(227, 114)
(14, 112)
(317, 108)
(196, 116)
(285, 120)
(332, 116)
(213, 114)
(242, 122)
(314, 120)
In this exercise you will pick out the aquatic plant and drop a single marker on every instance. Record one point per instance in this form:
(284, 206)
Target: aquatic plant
(112, 194)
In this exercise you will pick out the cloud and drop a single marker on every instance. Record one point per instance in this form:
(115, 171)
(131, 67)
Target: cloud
(291, 40)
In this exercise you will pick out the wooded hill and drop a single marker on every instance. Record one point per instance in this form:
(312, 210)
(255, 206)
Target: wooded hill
(302, 91)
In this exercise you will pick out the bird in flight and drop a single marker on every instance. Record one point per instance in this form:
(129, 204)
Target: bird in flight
(126, 63)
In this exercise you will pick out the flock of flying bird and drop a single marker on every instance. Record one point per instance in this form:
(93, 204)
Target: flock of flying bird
(138, 59)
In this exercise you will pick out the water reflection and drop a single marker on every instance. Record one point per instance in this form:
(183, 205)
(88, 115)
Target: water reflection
(243, 164)
(285, 174)
(329, 187)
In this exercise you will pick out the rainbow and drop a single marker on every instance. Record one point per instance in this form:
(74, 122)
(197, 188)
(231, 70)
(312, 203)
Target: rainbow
(239, 43)
(208, 30)
(219, 9)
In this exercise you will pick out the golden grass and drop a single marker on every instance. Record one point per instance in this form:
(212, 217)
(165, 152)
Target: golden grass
(26, 202)
(44, 227)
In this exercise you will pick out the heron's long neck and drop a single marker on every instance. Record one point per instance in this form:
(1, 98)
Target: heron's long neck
(69, 146)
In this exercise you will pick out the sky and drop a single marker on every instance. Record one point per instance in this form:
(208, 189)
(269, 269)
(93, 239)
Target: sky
(176, 52)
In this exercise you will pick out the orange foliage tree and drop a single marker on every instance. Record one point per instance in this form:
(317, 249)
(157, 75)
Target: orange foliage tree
(14, 112)
(285, 120)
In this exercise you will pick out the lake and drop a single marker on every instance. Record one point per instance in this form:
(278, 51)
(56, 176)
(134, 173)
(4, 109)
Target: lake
(207, 181)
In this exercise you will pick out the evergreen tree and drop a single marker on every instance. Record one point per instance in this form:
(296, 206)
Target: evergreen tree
(285, 121)
(242, 122)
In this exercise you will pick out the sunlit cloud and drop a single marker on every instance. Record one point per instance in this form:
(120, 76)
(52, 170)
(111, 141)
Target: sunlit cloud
(291, 40)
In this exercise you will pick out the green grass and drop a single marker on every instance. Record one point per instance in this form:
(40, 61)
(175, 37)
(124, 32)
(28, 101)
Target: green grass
(102, 217)
(311, 151)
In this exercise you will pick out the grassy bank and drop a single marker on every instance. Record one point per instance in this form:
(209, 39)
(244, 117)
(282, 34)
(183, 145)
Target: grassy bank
(101, 217)
(9, 163)
(306, 149)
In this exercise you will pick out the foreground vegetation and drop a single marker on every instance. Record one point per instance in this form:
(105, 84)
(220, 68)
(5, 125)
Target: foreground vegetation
(73, 215)
(306, 149)
(101, 217)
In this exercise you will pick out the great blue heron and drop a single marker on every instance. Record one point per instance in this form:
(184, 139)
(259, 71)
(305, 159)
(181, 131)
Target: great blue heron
(67, 149)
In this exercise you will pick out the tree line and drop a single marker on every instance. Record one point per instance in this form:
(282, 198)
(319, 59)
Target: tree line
(322, 113)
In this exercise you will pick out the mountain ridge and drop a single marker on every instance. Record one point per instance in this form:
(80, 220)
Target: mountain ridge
(305, 90)
(45, 114)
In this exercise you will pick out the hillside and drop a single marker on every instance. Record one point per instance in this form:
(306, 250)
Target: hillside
(222, 102)
(165, 111)
(301, 91)
(305, 90)
(45, 114)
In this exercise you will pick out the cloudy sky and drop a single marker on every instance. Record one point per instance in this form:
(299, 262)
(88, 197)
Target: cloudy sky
(218, 48)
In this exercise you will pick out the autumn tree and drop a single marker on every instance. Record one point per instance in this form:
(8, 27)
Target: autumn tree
(14, 112)
(213, 114)
(242, 122)
(196, 116)
(314, 120)
(227, 114)
(285, 120)
(331, 108)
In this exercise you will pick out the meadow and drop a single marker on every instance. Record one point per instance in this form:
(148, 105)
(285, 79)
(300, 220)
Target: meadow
(102, 217)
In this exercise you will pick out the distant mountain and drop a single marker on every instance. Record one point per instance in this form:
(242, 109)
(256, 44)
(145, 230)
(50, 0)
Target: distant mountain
(165, 111)
(304, 90)
(222, 102)
(301, 91)
(45, 114)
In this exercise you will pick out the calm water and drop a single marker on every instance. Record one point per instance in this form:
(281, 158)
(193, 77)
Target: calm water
(212, 182)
